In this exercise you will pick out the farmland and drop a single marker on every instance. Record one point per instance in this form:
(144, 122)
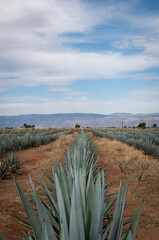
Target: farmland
(122, 159)
(148, 141)
(17, 140)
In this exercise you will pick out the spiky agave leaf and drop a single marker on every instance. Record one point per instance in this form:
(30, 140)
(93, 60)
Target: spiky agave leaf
(51, 199)
(117, 223)
(61, 207)
(76, 226)
(44, 217)
(36, 226)
(42, 228)
(132, 229)
(96, 211)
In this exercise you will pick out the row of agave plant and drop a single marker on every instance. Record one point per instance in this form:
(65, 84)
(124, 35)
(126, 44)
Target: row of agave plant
(75, 203)
(15, 141)
(145, 141)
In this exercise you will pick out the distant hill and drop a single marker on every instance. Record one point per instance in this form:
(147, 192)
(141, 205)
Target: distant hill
(83, 119)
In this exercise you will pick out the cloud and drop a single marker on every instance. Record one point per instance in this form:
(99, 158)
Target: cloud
(148, 45)
(23, 99)
(67, 91)
(39, 24)
(136, 101)
(62, 68)
(56, 106)
(84, 98)
(32, 46)
(146, 93)
(139, 100)
(32, 39)
(69, 106)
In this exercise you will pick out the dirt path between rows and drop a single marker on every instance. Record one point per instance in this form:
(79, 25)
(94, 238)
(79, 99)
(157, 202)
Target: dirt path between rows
(34, 160)
(113, 153)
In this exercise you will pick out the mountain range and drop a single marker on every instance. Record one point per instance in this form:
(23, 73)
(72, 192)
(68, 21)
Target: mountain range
(83, 119)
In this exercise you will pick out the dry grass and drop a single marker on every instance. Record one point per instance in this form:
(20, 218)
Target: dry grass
(117, 153)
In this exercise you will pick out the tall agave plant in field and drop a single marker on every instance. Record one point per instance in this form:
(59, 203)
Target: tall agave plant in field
(75, 205)
(84, 216)
(81, 156)
(13, 162)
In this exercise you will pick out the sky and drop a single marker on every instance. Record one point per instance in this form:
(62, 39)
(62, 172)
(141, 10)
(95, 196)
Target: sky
(85, 56)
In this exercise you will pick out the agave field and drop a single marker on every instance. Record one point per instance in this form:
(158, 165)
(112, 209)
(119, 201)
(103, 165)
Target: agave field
(75, 196)
(17, 140)
(148, 141)
(13, 141)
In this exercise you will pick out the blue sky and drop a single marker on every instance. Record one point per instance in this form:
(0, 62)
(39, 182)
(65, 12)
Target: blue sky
(88, 56)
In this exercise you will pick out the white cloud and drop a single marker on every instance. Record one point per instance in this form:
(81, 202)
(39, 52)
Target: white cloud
(66, 91)
(23, 99)
(148, 45)
(56, 106)
(32, 37)
(69, 106)
(60, 69)
(32, 42)
(84, 98)
(136, 101)
(146, 93)
(40, 23)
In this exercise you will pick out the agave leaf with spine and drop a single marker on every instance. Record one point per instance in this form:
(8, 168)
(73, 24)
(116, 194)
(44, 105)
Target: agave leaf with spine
(132, 229)
(117, 223)
(76, 226)
(44, 217)
(36, 226)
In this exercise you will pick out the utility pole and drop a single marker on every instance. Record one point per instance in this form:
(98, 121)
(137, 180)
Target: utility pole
(150, 122)
(121, 121)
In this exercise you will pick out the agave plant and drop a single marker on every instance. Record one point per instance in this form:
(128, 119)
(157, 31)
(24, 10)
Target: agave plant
(87, 217)
(81, 156)
(141, 167)
(13, 162)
